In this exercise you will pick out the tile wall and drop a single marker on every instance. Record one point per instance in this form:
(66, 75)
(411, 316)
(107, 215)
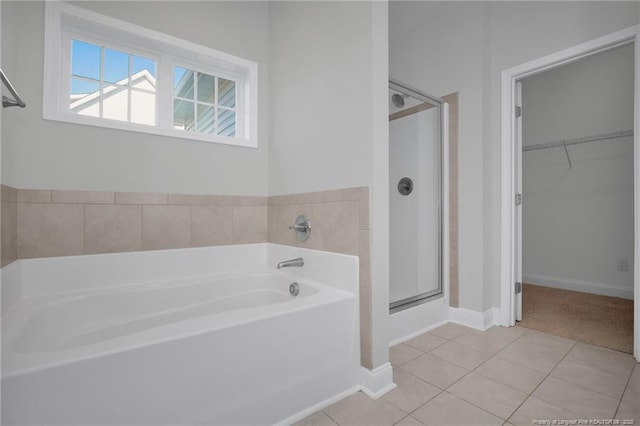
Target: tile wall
(9, 224)
(45, 223)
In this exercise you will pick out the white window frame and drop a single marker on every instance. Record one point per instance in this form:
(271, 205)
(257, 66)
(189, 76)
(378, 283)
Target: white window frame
(64, 22)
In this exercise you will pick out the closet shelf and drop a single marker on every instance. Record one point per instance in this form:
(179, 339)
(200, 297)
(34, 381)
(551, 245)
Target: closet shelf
(577, 141)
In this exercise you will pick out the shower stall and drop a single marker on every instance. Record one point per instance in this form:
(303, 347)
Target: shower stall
(416, 206)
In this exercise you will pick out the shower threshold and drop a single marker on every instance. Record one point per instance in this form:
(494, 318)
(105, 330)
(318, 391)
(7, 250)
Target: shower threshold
(410, 302)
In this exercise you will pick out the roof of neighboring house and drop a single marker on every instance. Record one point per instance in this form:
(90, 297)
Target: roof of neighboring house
(84, 100)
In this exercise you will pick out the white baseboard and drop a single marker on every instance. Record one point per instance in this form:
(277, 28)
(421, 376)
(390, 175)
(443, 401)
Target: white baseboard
(374, 383)
(407, 324)
(377, 382)
(417, 333)
(583, 286)
(317, 407)
(479, 320)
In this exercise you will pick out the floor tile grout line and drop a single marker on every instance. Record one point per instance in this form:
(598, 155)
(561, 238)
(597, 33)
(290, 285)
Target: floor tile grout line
(493, 414)
(449, 393)
(585, 387)
(429, 383)
(401, 418)
(480, 350)
(430, 399)
(478, 407)
(327, 414)
(511, 362)
(575, 342)
(625, 389)
(530, 394)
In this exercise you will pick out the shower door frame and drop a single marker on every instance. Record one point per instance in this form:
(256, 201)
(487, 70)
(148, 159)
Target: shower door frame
(443, 257)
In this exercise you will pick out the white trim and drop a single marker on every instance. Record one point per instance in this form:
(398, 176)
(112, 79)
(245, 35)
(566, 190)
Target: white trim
(444, 235)
(636, 202)
(479, 320)
(317, 407)
(377, 382)
(63, 21)
(412, 322)
(374, 383)
(379, 190)
(584, 286)
(417, 333)
(506, 315)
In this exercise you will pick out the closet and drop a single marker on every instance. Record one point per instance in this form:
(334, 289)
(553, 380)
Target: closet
(578, 195)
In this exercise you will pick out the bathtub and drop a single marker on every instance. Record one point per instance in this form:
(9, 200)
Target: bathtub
(195, 336)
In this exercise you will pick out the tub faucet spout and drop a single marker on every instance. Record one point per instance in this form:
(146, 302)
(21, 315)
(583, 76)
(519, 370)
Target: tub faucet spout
(289, 263)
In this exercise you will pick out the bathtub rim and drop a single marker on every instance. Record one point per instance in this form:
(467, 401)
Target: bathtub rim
(15, 364)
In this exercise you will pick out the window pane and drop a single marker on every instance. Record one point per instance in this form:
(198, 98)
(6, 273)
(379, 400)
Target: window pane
(85, 60)
(183, 83)
(83, 87)
(183, 115)
(144, 81)
(143, 107)
(115, 102)
(85, 97)
(116, 66)
(206, 88)
(139, 64)
(226, 122)
(206, 118)
(226, 93)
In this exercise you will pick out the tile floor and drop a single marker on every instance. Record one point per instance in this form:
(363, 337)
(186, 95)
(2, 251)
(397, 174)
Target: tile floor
(454, 375)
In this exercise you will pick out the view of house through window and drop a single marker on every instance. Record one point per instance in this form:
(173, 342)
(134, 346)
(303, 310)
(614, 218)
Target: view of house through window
(111, 84)
(204, 103)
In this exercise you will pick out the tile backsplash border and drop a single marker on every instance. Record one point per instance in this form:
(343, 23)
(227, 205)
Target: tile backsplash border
(51, 223)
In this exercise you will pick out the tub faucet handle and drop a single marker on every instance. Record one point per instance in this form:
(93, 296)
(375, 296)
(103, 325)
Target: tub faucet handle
(302, 228)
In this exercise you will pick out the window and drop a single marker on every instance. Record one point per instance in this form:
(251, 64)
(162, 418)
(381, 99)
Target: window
(204, 103)
(105, 72)
(111, 84)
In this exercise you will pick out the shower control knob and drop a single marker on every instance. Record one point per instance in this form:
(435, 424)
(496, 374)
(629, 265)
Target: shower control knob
(405, 186)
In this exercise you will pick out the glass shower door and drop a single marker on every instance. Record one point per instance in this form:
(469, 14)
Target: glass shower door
(415, 198)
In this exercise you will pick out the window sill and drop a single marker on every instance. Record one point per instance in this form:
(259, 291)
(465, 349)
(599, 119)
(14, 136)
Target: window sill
(153, 130)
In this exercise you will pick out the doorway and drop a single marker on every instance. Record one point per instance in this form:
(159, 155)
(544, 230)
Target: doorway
(511, 181)
(575, 122)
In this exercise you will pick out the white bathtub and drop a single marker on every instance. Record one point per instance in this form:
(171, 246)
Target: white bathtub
(218, 339)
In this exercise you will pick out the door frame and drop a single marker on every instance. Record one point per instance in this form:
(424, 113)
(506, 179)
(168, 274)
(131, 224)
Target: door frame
(509, 178)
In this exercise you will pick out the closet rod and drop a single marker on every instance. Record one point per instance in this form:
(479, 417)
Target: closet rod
(576, 141)
(6, 101)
